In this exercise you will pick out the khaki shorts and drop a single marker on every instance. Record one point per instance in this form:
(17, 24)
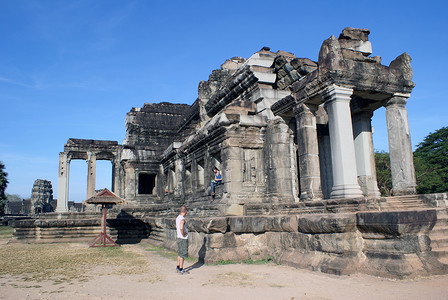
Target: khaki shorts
(182, 247)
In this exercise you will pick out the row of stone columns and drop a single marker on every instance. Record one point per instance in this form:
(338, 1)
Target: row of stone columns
(64, 176)
(352, 153)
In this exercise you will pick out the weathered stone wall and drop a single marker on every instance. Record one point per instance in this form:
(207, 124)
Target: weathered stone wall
(389, 244)
(154, 125)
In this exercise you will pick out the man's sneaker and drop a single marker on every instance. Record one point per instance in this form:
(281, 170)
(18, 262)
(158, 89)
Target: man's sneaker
(182, 272)
(178, 270)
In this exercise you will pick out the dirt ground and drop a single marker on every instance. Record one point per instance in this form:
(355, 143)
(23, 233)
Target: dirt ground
(158, 280)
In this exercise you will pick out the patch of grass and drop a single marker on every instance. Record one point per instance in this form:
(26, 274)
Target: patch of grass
(226, 262)
(166, 252)
(33, 286)
(66, 262)
(265, 260)
(276, 285)
(248, 261)
(6, 232)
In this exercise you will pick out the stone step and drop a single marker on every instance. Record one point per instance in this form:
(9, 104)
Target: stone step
(441, 252)
(405, 203)
(439, 231)
(154, 238)
(443, 260)
(442, 221)
(403, 200)
(439, 241)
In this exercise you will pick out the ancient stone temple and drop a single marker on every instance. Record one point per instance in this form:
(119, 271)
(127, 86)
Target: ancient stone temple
(293, 140)
(282, 129)
(41, 196)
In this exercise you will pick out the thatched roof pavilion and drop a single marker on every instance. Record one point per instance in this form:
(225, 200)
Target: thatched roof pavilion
(105, 197)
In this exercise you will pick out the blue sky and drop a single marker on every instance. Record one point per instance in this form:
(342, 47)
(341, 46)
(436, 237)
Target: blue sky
(75, 68)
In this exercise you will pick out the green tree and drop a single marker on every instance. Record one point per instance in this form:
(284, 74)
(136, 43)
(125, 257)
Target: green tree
(3, 184)
(428, 179)
(13, 198)
(431, 162)
(383, 174)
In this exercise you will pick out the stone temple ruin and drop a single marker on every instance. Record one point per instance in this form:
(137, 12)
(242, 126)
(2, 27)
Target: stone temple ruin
(42, 196)
(41, 201)
(293, 139)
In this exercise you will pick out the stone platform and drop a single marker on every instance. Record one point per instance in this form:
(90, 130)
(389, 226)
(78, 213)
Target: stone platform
(381, 237)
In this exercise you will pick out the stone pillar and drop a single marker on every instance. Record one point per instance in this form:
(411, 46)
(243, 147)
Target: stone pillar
(279, 183)
(91, 174)
(294, 171)
(232, 172)
(308, 152)
(63, 183)
(400, 149)
(116, 177)
(345, 181)
(326, 166)
(130, 182)
(114, 185)
(179, 169)
(121, 180)
(365, 155)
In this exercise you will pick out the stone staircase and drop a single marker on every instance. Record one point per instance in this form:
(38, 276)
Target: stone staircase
(439, 236)
(401, 203)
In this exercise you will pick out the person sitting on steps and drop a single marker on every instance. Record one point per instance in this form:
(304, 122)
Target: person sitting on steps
(216, 181)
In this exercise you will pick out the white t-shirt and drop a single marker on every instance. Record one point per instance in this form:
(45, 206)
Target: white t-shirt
(179, 233)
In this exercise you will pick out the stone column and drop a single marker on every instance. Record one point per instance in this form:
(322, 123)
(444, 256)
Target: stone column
(365, 155)
(308, 152)
(232, 172)
(400, 149)
(91, 174)
(294, 171)
(114, 185)
(116, 177)
(63, 183)
(278, 164)
(179, 184)
(130, 182)
(345, 181)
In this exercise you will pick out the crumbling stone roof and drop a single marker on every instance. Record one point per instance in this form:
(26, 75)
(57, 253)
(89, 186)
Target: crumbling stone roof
(81, 142)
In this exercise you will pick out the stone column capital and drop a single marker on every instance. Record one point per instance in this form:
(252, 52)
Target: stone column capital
(336, 93)
(397, 100)
(305, 107)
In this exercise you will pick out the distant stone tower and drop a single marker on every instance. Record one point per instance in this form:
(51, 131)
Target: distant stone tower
(41, 196)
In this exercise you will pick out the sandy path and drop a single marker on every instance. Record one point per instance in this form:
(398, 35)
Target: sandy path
(237, 281)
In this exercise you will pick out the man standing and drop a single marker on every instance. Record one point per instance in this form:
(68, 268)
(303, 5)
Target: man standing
(182, 240)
